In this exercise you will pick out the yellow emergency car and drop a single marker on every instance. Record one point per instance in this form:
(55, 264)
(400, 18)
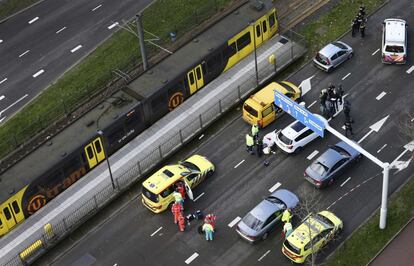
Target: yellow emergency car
(317, 230)
(157, 190)
(260, 109)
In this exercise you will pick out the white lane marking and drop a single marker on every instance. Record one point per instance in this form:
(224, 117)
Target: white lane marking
(95, 8)
(264, 255)
(1, 120)
(410, 70)
(33, 20)
(202, 135)
(76, 48)
(235, 221)
(62, 29)
(382, 94)
(383, 146)
(313, 154)
(116, 264)
(341, 106)
(191, 258)
(275, 186)
(2, 97)
(156, 231)
(237, 165)
(310, 105)
(8, 107)
(412, 120)
(38, 73)
(3, 80)
(199, 196)
(22, 54)
(113, 25)
(349, 178)
(376, 51)
(343, 127)
(1, 40)
(346, 76)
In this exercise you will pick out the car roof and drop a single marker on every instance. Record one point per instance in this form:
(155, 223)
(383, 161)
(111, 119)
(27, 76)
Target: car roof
(266, 208)
(329, 50)
(293, 130)
(329, 158)
(395, 30)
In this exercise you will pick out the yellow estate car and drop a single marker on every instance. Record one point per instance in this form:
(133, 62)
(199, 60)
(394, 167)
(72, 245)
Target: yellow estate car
(317, 230)
(157, 189)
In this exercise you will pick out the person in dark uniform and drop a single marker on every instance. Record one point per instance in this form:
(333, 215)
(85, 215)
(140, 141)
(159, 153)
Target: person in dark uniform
(362, 27)
(354, 27)
(348, 127)
(259, 147)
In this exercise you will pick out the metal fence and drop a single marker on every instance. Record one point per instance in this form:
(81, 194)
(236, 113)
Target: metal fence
(63, 226)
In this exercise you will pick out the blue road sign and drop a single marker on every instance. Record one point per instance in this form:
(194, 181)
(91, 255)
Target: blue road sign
(299, 113)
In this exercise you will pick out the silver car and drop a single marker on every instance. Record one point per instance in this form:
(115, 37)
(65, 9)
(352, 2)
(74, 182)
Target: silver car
(259, 221)
(332, 55)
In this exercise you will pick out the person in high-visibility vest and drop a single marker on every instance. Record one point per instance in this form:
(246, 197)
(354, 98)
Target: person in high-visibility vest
(249, 143)
(181, 222)
(176, 209)
(208, 230)
(178, 198)
(255, 131)
(286, 216)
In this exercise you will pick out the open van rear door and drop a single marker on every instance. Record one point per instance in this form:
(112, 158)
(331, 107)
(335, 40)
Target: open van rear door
(188, 190)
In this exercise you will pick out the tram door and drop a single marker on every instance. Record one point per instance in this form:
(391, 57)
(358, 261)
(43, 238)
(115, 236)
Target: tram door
(11, 215)
(261, 31)
(195, 79)
(94, 152)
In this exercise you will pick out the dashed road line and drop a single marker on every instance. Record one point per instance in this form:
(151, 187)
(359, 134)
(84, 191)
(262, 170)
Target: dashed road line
(410, 70)
(1, 40)
(38, 73)
(202, 135)
(313, 154)
(376, 51)
(191, 258)
(343, 127)
(235, 221)
(33, 20)
(264, 255)
(22, 54)
(113, 25)
(3, 80)
(199, 196)
(275, 186)
(310, 105)
(382, 94)
(76, 48)
(95, 8)
(156, 231)
(347, 75)
(2, 97)
(237, 165)
(62, 29)
(349, 178)
(383, 146)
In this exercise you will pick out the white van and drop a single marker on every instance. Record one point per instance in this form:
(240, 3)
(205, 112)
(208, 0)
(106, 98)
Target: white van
(394, 41)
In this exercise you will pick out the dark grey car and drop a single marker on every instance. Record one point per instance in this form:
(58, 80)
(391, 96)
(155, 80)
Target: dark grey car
(323, 171)
(332, 55)
(259, 221)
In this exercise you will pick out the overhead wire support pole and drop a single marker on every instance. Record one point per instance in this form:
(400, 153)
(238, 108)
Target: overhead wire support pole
(141, 42)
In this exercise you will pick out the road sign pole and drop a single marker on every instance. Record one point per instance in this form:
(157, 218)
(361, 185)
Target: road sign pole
(383, 212)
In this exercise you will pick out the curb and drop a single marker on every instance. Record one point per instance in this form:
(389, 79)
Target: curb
(21, 11)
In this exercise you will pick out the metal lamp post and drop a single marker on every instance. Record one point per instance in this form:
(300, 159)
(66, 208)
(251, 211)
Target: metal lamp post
(100, 133)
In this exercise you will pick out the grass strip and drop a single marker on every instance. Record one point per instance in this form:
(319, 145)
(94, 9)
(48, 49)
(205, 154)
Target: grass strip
(10, 7)
(368, 240)
(121, 51)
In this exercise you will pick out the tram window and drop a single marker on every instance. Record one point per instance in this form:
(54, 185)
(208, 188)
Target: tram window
(272, 19)
(15, 207)
(7, 214)
(90, 152)
(264, 26)
(258, 32)
(98, 146)
(191, 75)
(1, 222)
(198, 72)
(243, 41)
(229, 51)
(213, 63)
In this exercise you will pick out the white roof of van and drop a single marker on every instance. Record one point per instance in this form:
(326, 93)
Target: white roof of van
(395, 30)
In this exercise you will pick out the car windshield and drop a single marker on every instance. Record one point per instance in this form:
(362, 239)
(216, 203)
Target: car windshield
(190, 166)
(324, 221)
(276, 201)
(394, 49)
(340, 45)
(321, 59)
(252, 222)
(250, 110)
(284, 139)
(319, 168)
(341, 151)
(149, 195)
(291, 247)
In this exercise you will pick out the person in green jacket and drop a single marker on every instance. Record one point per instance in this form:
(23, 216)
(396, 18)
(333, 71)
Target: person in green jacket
(208, 230)
(255, 131)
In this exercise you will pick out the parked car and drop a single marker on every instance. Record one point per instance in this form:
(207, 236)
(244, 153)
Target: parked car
(327, 167)
(332, 55)
(262, 218)
(313, 234)
(293, 137)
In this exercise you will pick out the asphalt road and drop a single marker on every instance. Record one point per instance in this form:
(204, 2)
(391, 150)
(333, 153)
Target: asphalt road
(135, 236)
(40, 44)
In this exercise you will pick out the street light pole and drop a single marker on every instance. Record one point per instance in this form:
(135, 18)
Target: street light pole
(100, 133)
